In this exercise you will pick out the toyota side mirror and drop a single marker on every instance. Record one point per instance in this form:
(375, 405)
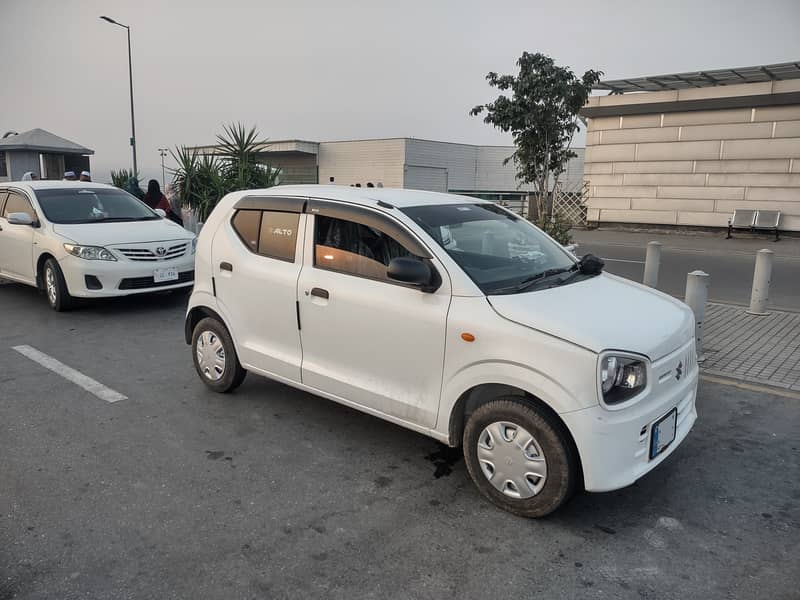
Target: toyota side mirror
(20, 218)
(160, 212)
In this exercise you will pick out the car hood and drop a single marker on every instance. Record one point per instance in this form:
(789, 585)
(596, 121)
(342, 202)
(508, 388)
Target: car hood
(130, 232)
(603, 313)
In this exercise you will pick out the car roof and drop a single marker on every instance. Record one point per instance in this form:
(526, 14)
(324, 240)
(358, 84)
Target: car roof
(400, 198)
(50, 184)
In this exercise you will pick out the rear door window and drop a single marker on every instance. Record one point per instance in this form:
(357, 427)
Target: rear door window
(268, 233)
(278, 236)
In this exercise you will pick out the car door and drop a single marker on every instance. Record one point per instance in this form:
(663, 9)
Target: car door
(257, 255)
(366, 339)
(16, 241)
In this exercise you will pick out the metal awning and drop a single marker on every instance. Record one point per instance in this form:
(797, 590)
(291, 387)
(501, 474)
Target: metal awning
(701, 79)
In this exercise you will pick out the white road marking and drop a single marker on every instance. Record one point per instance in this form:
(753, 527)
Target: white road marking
(638, 262)
(70, 374)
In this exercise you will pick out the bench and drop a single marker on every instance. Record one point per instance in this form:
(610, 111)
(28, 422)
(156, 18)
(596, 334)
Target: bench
(755, 220)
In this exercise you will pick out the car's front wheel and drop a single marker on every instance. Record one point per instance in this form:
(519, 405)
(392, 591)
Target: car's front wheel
(55, 287)
(520, 457)
(215, 357)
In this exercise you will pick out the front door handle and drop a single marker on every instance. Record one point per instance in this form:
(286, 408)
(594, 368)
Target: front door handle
(320, 293)
(226, 266)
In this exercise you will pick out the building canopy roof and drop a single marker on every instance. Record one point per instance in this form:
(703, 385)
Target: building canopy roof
(700, 79)
(40, 140)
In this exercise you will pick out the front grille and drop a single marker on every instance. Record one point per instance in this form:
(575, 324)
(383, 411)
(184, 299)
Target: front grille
(151, 255)
(138, 283)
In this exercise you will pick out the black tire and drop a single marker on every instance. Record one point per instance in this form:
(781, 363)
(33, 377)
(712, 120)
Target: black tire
(232, 374)
(562, 474)
(55, 287)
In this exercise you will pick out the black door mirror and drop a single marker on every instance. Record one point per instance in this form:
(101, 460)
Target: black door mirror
(409, 270)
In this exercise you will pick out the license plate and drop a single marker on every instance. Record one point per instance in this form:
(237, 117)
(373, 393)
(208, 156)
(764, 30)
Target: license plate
(167, 274)
(662, 434)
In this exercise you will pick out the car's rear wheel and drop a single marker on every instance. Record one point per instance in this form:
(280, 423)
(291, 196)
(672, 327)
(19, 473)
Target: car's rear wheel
(520, 457)
(215, 356)
(55, 287)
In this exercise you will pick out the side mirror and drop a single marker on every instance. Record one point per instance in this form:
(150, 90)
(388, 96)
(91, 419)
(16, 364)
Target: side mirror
(160, 212)
(20, 218)
(591, 265)
(409, 270)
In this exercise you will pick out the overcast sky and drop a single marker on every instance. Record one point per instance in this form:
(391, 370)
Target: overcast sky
(329, 70)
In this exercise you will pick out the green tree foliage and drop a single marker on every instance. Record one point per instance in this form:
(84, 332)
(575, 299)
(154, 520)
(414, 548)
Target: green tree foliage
(128, 181)
(202, 180)
(541, 113)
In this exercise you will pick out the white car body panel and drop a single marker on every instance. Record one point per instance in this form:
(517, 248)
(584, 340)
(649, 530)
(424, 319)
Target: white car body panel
(374, 345)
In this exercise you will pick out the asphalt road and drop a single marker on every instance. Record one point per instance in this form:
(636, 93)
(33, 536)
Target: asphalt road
(730, 263)
(177, 492)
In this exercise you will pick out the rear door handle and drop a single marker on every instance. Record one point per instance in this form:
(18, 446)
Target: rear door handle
(320, 293)
(226, 266)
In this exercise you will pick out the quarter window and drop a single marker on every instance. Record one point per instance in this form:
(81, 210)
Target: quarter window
(269, 233)
(246, 224)
(354, 248)
(17, 203)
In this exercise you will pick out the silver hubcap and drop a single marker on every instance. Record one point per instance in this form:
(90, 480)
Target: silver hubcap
(50, 283)
(210, 355)
(512, 460)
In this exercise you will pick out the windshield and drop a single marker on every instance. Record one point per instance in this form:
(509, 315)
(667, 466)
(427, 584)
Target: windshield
(92, 205)
(501, 252)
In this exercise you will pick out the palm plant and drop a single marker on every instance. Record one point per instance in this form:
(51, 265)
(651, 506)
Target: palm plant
(201, 181)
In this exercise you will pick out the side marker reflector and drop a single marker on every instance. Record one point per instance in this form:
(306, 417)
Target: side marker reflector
(467, 337)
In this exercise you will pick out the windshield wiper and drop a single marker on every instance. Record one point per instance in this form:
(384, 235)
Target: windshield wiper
(533, 279)
(122, 219)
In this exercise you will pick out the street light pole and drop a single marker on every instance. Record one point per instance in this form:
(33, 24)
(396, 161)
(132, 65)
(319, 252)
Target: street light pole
(162, 152)
(130, 81)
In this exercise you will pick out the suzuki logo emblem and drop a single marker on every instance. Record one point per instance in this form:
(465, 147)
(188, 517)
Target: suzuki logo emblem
(161, 251)
(679, 371)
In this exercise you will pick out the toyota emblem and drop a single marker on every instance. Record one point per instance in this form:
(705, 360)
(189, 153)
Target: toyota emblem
(161, 251)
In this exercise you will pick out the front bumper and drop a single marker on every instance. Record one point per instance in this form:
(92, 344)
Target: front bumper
(614, 446)
(122, 277)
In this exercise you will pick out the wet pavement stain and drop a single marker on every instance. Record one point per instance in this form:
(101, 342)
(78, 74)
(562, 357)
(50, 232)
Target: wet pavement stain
(443, 459)
(214, 454)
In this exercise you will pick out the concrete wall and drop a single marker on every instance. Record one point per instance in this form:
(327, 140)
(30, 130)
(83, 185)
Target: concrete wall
(19, 162)
(295, 168)
(694, 167)
(363, 161)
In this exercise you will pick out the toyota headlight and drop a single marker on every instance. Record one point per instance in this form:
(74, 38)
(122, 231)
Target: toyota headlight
(89, 252)
(621, 377)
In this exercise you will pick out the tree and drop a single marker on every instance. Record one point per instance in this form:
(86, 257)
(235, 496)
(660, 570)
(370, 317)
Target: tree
(542, 116)
(201, 181)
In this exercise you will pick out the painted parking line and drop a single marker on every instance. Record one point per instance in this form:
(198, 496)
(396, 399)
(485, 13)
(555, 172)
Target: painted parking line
(638, 262)
(70, 374)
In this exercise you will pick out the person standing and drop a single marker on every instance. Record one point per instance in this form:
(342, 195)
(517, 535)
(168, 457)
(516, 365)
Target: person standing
(154, 198)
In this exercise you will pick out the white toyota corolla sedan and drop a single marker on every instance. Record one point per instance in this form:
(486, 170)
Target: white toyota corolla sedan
(76, 239)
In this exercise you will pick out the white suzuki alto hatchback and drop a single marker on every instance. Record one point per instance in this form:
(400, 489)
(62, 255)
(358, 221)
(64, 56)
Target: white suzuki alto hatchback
(455, 318)
(76, 239)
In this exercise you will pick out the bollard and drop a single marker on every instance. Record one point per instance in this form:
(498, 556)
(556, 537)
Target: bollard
(651, 263)
(696, 296)
(761, 279)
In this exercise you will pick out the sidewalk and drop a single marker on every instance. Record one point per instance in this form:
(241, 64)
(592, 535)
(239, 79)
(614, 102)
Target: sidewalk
(751, 348)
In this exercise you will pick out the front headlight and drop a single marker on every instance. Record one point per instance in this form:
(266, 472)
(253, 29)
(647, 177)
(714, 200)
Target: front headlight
(621, 377)
(89, 252)
(194, 245)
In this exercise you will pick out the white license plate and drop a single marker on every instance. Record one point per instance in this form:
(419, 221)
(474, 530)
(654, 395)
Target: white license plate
(662, 434)
(167, 274)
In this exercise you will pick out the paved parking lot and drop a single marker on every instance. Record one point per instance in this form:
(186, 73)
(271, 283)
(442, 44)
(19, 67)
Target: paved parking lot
(176, 492)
